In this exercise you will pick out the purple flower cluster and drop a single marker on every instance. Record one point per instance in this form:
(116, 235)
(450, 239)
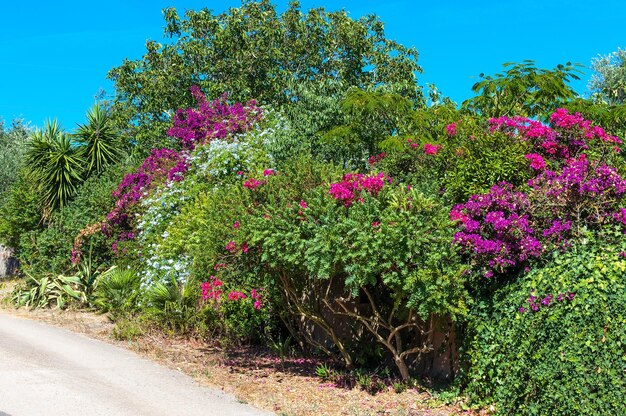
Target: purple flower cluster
(495, 229)
(535, 303)
(162, 164)
(213, 120)
(503, 229)
(578, 193)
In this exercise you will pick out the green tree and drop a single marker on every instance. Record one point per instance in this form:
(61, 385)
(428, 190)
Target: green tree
(523, 90)
(608, 83)
(255, 52)
(12, 147)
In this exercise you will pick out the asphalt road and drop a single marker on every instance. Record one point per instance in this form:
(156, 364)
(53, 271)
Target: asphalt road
(49, 371)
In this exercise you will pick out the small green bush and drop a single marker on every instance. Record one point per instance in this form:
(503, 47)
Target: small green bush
(117, 291)
(563, 359)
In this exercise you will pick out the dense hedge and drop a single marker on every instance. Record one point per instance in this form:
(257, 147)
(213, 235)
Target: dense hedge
(567, 356)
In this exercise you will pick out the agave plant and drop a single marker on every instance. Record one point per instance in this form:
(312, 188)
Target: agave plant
(49, 291)
(98, 139)
(56, 164)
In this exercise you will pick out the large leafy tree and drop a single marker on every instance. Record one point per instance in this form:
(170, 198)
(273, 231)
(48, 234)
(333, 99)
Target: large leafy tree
(255, 52)
(523, 90)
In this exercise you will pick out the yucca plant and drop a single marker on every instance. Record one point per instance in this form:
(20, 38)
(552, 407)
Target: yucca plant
(98, 139)
(56, 165)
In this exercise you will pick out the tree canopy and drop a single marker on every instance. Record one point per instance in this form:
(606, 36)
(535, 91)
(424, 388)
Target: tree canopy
(608, 84)
(255, 52)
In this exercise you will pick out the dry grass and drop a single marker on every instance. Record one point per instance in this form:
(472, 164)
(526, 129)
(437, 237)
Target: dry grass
(286, 386)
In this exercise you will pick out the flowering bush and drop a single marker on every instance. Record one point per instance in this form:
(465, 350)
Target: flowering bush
(392, 247)
(496, 230)
(504, 228)
(212, 120)
(155, 170)
(568, 135)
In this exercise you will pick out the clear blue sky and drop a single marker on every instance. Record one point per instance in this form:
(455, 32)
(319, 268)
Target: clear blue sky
(54, 56)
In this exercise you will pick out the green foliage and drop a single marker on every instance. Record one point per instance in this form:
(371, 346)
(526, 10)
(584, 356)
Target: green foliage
(13, 143)
(254, 52)
(370, 118)
(523, 90)
(243, 324)
(475, 159)
(98, 139)
(608, 83)
(173, 306)
(316, 110)
(48, 249)
(391, 252)
(566, 358)
(117, 291)
(50, 291)
(57, 165)
(20, 210)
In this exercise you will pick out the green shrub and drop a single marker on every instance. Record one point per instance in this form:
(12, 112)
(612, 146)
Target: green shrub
(389, 253)
(13, 144)
(20, 211)
(174, 307)
(117, 291)
(563, 359)
(477, 158)
(48, 249)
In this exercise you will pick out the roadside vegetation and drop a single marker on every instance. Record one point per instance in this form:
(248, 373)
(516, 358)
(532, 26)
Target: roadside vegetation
(282, 181)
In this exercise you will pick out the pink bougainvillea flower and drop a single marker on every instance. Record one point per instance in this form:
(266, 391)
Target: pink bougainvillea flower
(431, 149)
(303, 204)
(231, 246)
(451, 129)
(236, 295)
(372, 160)
(536, 161)
(252, 183)
(269, 172)
(236, 225)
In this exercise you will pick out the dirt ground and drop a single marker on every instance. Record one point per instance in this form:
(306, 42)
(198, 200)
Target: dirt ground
(286, 387)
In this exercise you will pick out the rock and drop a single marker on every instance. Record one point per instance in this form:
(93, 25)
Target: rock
(8, 264)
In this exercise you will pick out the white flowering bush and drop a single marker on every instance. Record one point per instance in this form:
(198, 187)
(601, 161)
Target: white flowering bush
(163, 250)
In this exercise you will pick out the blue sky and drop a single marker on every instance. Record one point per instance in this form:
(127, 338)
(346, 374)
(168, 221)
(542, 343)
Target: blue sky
(54, 56)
